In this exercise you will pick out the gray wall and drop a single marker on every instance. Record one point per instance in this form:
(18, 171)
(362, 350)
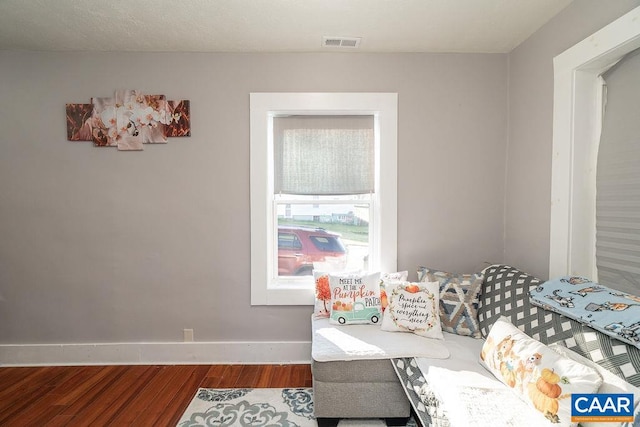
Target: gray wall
(98, 245)
(528, 184)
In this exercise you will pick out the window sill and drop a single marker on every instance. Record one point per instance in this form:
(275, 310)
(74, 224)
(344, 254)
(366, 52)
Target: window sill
(284, 295)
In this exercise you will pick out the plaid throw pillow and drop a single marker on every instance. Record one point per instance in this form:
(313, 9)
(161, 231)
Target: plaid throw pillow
(506, 293)
(459, 300)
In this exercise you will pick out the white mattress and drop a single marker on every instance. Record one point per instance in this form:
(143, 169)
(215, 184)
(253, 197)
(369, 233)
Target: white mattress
(366, 342)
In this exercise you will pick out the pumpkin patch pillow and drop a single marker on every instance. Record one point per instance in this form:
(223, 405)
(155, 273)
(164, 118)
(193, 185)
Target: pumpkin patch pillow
(355, 299)
(542, 377)
(322, 305)
(413, 307)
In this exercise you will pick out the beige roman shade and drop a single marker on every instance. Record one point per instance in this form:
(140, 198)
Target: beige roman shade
(324, 155)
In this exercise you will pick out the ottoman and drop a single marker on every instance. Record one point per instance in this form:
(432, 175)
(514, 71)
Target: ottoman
(358, 389)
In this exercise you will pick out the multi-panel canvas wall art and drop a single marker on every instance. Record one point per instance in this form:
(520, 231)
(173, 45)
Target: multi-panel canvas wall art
(128, 120)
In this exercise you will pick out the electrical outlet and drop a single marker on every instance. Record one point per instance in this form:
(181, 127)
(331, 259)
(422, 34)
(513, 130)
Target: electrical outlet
(188, 335)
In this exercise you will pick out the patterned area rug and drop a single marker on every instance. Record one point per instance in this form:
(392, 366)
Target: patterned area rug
(258, 407)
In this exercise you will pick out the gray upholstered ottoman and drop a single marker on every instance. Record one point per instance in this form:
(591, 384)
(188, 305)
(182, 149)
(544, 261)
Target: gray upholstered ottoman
(358, 389)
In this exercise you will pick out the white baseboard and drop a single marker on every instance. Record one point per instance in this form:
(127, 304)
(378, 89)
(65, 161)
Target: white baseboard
(174, 353)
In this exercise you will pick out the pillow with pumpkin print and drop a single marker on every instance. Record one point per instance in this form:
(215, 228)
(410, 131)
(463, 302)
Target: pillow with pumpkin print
(387, 278)
(611, 384)
(413, 307)
(322, 303)
(355, 298)
(539, 375)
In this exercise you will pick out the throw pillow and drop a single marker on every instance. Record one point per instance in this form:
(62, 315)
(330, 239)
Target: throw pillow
(459, 300)
(413, 307)
(322, 305)
(542, 377)
(355, 298)
(505, 292)
(386, 278)
(611, 383)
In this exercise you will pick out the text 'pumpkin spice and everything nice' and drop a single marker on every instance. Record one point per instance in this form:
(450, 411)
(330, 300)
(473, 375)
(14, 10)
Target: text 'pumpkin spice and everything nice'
(413, 307)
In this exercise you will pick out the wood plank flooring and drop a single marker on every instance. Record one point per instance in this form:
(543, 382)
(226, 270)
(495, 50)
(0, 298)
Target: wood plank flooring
(155, 395)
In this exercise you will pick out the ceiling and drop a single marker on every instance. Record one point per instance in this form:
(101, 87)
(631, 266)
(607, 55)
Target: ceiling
(271, 25)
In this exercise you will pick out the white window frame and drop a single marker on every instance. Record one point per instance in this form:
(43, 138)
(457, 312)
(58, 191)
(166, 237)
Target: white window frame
(577, 116)
(265, 288)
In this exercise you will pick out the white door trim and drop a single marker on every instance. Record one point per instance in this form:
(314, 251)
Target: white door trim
(576, 132)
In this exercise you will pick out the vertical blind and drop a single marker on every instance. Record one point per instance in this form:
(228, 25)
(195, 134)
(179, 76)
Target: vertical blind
(323, 155)
(618, 179)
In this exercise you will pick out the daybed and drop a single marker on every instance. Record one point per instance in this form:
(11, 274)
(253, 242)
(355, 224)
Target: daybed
(372, 386)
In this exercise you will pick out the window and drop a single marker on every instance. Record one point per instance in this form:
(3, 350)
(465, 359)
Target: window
(618, 178)
(323, 189)
(576, 126)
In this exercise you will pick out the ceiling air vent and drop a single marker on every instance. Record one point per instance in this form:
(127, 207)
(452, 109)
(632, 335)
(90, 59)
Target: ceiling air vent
(341, 42)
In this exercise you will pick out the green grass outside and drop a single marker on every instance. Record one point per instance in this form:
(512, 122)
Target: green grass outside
(359, 233)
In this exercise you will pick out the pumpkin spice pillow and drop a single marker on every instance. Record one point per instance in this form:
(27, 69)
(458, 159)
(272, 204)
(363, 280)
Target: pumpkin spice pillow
(413, 307)
(385, 279)
(540, 376)
(355, 299)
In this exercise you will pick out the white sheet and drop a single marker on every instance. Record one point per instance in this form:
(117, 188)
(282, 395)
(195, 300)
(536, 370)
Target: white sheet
(465, 356)
(469, 393)
(367, 342)
(470, 398)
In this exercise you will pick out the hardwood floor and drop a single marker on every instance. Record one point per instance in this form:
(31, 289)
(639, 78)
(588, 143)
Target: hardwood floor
(125, 395)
